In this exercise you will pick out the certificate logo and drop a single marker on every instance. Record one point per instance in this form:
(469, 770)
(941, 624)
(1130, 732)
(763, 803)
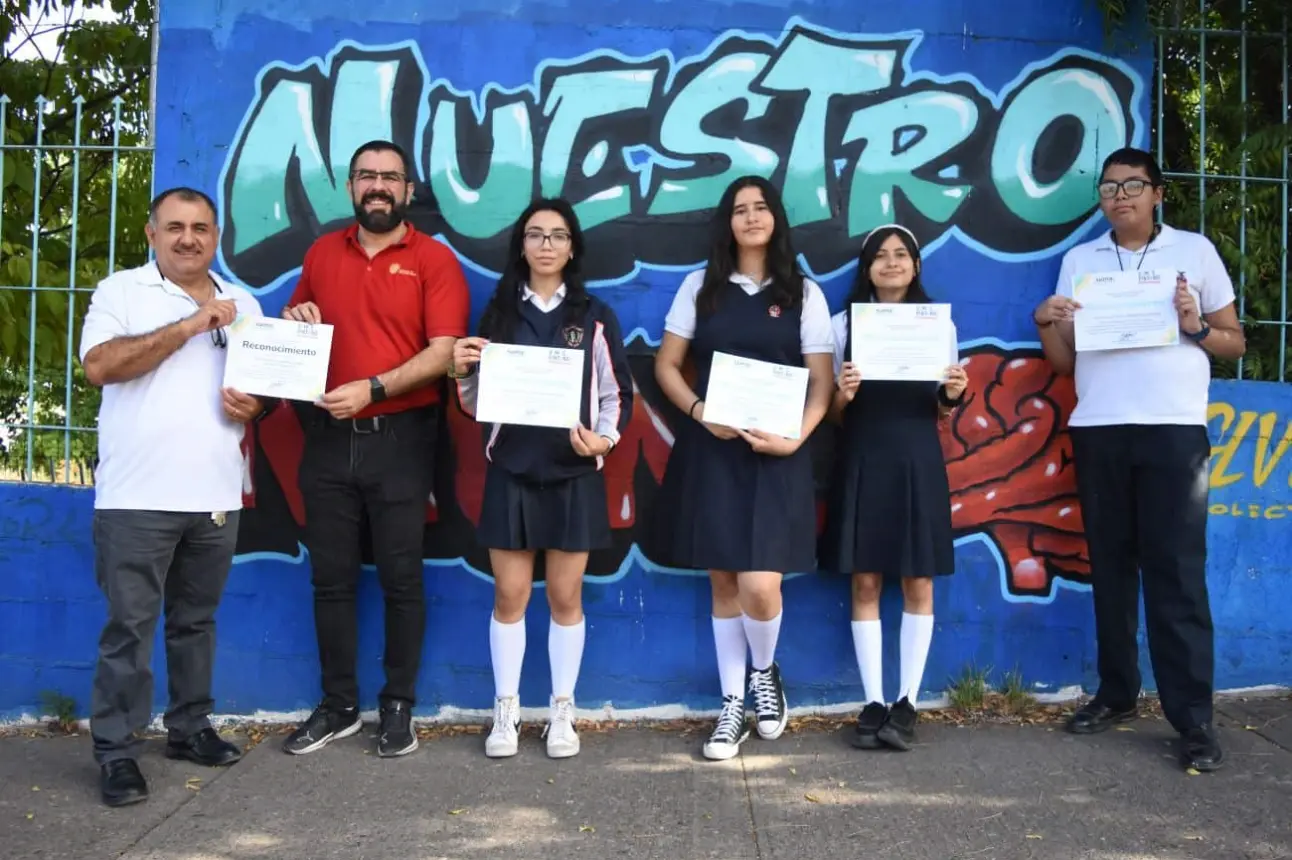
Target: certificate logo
(573, 336)
(774, 311)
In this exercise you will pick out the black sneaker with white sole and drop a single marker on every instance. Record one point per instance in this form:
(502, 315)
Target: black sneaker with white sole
(770, 707)
(325, 725)
(396, 737)
(730, 731)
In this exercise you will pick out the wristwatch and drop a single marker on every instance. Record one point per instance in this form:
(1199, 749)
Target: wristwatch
(1201, 334)
(378, 390)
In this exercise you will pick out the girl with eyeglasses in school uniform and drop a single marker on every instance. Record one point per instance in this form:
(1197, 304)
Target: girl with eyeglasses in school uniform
(544, 487)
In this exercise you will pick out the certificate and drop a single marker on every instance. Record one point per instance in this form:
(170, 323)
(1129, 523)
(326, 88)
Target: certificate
(537, 386)
(747, 394)
(1124, 310)
(905, 342)
(274, 357)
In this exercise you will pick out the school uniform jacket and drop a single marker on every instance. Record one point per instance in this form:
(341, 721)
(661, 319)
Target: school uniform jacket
(544, 454)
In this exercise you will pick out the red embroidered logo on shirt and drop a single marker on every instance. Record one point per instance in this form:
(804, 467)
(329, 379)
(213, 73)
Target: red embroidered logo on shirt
(396, 269)
(774, 311)
(573, 335)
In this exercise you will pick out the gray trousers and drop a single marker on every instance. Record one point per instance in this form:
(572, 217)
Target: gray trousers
(144, 561)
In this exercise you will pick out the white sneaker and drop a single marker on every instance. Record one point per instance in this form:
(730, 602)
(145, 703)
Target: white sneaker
(730, 732)
(562, 740)
(504, 739)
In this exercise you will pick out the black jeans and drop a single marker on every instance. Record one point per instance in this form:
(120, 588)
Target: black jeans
(1143, 492)
(145, 560)
(380, 470)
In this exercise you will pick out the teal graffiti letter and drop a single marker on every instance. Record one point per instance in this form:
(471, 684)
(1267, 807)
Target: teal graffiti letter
(823, 70)
(485, 211)
(1089, 97)
(946, 119)
(726, 81)
(283, 126)
(572, 100)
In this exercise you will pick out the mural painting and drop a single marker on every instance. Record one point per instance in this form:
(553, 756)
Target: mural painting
(987, 148)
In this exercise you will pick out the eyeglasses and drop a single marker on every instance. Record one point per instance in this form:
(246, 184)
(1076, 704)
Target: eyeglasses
(219, 338)
(558, 238)
(1132, 187)
(393, 177)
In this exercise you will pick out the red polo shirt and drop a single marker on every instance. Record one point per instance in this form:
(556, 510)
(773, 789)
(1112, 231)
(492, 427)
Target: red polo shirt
(385, 309)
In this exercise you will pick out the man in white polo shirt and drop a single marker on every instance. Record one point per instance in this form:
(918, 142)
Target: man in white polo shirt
(1141, 451)
(168, 486)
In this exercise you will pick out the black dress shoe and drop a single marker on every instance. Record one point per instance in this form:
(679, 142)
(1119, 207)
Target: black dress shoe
(865, 735)
(121, 783)
(205, 748)
(898, 730)
(1200, 749)
(1097, 717)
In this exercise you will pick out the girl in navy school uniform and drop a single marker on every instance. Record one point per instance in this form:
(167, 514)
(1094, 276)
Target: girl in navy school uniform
(889, 511)
(741, 503)
(544, 488)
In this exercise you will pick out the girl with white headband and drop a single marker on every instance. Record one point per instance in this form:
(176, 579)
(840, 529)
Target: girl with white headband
(889, 510)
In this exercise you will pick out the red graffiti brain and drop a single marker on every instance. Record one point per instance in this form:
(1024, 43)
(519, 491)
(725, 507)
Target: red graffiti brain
(1009, 462)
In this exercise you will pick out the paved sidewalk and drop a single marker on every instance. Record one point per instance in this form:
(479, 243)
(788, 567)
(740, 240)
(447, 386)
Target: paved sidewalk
(990, 791)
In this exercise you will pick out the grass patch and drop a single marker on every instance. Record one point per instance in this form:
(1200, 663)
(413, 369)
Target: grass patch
(968, 693)
(1017, 699)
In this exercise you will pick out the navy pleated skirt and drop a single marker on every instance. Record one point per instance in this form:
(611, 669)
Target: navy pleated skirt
(723, 507)
(569, 516)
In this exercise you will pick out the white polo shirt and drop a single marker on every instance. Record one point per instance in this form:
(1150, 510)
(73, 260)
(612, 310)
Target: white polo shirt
(815, 333)
(164, 441)
(1149, 385)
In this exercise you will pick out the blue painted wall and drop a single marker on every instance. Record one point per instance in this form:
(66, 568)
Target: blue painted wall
(979, 124)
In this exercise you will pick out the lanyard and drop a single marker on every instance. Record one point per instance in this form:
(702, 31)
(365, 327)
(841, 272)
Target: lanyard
(1118, 249)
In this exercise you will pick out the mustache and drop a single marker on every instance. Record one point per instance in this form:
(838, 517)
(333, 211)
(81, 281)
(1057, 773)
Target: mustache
(378, 195)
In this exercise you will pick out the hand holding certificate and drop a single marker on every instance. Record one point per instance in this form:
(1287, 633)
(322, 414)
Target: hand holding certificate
(1124, 310)
(535, 386)
(747, 394)
(899, 341)
(278, 358)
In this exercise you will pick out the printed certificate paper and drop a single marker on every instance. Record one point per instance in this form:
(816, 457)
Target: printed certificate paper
(909, 343)
(1125, 310)
(746, 394)
(278, 358)
(532, 385)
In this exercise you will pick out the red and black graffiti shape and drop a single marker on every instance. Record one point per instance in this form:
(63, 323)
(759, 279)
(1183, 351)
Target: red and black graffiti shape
(1009, 462)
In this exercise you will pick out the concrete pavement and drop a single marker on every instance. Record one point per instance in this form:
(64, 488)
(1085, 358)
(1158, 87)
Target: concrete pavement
(970, 791)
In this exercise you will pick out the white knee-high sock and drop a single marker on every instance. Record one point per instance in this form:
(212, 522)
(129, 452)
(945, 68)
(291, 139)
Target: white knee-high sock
(868, 643)
(917, 634)
(762, 636)
(565, 652)
(507, 650)
(729, 642)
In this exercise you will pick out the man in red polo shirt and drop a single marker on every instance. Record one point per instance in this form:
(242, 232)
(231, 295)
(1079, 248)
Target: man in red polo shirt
(397, 300)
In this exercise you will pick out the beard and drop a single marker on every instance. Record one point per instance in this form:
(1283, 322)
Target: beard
(376, 220)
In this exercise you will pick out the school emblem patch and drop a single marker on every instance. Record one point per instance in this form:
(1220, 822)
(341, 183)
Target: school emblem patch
(774, 311)
(573, 335)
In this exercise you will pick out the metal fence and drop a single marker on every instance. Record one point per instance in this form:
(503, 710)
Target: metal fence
(96, 178)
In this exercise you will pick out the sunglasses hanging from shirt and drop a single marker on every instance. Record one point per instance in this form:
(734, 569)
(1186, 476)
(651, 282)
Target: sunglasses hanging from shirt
(218, 336)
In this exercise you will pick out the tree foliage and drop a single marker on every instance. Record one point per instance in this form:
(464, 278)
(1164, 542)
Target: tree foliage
(1242, 131)
(99, 72)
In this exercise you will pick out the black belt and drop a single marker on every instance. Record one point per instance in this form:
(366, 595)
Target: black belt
(378, 423)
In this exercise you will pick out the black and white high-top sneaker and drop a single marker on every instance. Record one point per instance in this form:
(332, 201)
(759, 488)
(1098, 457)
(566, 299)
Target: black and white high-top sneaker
(729, 732)
(770, 707)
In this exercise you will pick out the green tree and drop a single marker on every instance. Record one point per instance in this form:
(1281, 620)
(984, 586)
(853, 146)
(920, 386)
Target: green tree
(68, 216)
(1242, 131)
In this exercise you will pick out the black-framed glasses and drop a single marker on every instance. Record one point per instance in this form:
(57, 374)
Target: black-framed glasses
(1133, 187)
(393, 177)
(557, 238)
(219, 338)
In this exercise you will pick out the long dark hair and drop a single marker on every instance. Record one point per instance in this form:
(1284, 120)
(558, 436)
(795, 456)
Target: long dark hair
(863, 290)
(786, 288)
(498, 321)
